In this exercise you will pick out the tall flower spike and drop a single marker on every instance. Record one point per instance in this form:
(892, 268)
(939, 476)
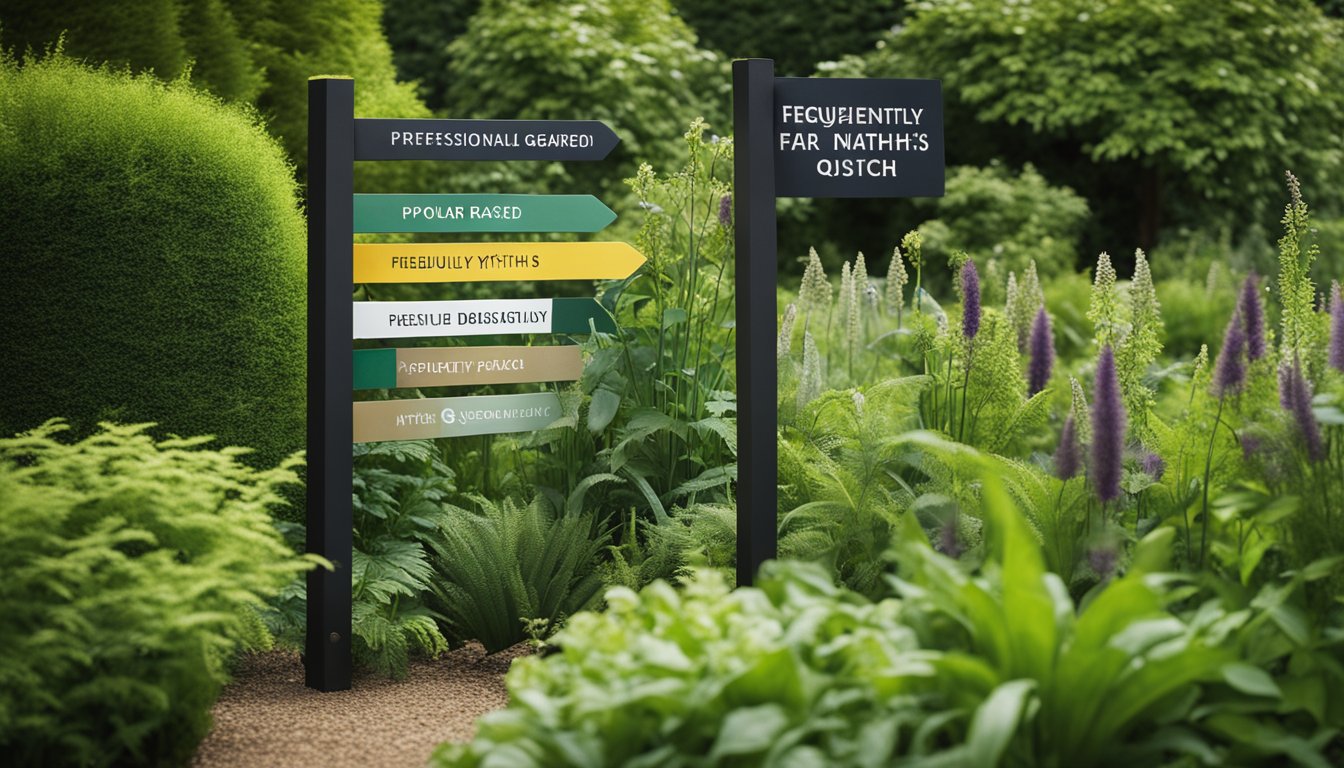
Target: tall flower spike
(1253, 315)
(1229, 373)
(726, 211)
(1299, 406)
(1104, 308)
(970, 300)
(846, 288)
(815, 291)
(1042, 353)
(1082, 415)
(1010, 301)
(1336, 356)
(785, 343)
(896, 280)
(1108, 429)
(1068, 456)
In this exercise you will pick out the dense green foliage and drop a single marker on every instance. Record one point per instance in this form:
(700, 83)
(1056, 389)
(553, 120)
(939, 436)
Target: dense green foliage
(419, 33)
(133, 570)
(796, 34)
(546, 59)
(1007, 219)
(984, 667)
(158, 275)
(258, 52)
(1191, 107)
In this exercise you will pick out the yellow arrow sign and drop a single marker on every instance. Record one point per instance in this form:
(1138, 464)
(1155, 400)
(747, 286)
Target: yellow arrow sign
(479, 262)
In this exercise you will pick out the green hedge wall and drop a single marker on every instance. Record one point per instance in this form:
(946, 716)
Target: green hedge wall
(155, 260)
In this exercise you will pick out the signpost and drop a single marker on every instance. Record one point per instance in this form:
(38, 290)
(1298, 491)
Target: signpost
(481, 262)
(429, 139)
(478, 317)
(805, 137)
(481, 213)
(426, 418)
(461, 366)
(335, 264)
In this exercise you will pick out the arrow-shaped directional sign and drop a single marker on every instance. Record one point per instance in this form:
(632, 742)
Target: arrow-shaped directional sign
(457, 366)
(478, 262)
(477, 317)
(430, 139)
(481, 213)
(425, 418)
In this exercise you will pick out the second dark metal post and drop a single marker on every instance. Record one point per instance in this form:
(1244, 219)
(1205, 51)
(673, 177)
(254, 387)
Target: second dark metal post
(757, 375)
(331, 172)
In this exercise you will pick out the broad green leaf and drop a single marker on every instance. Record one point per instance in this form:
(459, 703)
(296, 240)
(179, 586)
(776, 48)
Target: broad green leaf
(1251, 680)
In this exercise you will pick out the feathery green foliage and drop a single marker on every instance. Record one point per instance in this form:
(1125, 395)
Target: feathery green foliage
(134, 570)
(501, 569)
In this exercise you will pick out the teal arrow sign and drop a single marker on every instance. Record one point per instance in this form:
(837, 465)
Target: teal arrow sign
(481, 213)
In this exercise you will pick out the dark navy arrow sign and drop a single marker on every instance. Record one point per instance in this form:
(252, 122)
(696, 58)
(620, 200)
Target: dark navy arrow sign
(429, 139)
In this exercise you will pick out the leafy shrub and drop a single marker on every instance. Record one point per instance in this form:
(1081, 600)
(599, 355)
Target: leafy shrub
(795, 34)
(1011, 218)
(163, 262)
(1162, 101)
(511, 570)
(419, 34)
(990, 668)
(133, 571)
(548, 59)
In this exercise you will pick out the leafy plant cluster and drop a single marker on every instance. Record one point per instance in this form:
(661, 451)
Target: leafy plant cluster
(134, 569)
(952, 665)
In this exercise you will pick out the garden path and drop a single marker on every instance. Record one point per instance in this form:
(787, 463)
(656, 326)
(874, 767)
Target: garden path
(267, 717)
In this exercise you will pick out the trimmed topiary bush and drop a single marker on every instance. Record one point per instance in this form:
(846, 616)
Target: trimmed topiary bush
(156, 260)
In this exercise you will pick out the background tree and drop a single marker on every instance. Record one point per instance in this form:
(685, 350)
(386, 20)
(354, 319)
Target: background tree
(419, 33)
(629, 63)
(796, 34)
(1157, 111)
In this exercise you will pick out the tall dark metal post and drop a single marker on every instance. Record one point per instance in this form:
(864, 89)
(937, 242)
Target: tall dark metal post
(331, 172)
(757, 375)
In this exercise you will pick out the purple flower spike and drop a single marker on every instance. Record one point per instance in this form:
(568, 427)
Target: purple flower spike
(1253, 313)
(1042, 346)
(1068, 456)
(726, 211)
(1299, 405)
(970, 300)
(1108, 429)
(1153, 465)
(1229, 373)
(1336, 328)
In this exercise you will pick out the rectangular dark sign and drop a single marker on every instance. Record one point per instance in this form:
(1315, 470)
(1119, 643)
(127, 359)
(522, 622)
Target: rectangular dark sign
(430, 139)
(858, 137)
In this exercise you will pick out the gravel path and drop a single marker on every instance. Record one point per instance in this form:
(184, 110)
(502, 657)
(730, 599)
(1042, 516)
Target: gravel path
(266, 717)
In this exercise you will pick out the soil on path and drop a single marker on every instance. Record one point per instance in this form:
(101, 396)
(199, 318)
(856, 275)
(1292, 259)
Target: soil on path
(267, 717)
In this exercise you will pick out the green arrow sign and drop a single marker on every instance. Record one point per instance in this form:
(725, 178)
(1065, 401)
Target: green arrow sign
(477, 317)
(481, 213)
(424, 418)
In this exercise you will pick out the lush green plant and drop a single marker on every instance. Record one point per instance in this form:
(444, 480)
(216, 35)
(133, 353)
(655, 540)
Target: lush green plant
(797, 35)
(133, 571)
(163, 262)
(1194, 107)
(400, 492)
(1010, 219)
(419, 34)
(547, 59)
(511, 571)
(988, 667)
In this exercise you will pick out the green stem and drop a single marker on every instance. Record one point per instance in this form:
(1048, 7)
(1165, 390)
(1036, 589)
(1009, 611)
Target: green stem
(1208, 469)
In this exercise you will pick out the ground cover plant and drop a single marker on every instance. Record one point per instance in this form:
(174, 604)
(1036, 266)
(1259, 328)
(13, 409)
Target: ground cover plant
(134, 570)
